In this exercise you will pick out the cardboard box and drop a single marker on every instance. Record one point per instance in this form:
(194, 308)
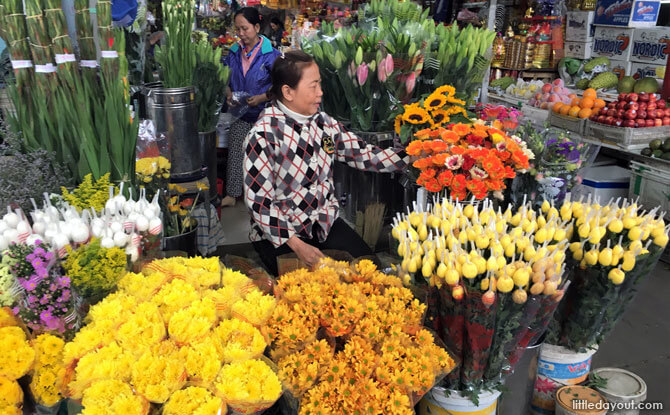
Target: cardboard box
(578, 50)
(613, 42)
(628, 13)
(643, 70)
(579, 26)
(651, 45)
(621, 68)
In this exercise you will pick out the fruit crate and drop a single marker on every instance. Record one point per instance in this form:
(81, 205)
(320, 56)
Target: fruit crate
(625, 137)
(537, 115)
(575, 125)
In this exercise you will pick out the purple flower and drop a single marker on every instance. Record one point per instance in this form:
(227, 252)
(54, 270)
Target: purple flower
(28, 285)
(32, 299)
(573, 156)
(48, 256)
(16, 310)
(63, 282)
(64, 297)
(53, 287)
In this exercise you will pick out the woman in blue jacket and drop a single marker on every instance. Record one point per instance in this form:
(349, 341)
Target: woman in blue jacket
(250, 61)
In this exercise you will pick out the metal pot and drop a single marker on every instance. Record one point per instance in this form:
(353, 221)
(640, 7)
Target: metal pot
(186, 242)
(208, 155)
(174, 114)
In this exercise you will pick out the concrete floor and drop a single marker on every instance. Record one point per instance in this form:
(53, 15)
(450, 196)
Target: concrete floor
(640, 343)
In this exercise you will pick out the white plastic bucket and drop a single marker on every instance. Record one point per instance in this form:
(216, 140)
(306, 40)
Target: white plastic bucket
(556, 367)
(622, 390)
(436, 402)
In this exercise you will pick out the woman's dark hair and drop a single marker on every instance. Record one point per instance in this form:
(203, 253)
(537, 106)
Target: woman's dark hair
(287, 70)
(275, 20)
(250, 14)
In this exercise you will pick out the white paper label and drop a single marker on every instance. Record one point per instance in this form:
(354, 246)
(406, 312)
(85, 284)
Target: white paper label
(109, 54)
(22, 64)
(65, 57)
(48, 68)
(88, 64)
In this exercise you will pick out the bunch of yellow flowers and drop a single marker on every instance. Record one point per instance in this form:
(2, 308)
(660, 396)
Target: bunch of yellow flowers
(89, 194)
(16, 353)
(249, 386)
(168, 328)
(95, 270)
(150, 168)
(11, 397)
(385, 362)
(47, 379)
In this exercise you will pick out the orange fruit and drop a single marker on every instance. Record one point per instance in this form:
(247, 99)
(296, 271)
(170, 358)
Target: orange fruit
(585, 113)
(599, 103)
(574, 111)
(564, 110)
(557, 107)
(575, 102)
(595, 111)
(587, 103)
(590, 93)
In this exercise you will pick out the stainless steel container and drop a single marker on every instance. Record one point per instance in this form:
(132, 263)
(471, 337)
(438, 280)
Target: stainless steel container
(208, 155)
(174, 114)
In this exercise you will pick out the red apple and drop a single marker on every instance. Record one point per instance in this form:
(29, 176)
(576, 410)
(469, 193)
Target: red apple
(623, 97)
(667, 112)
(633, 97)
(633, 106)
(651, 113)
(611, 113)
(620, 113)
(601, 119)
(658, 122)
(650, 123)
(643, 105)
(651, 105)
(644, 97)
(666, 120)
(641, 122)
(629, 124)
(642, 114)
(661, 104)
(653, 97)
(630, 114)
(620, 105)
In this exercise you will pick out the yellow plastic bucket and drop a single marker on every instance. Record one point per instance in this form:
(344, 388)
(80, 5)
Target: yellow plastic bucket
(436, 402)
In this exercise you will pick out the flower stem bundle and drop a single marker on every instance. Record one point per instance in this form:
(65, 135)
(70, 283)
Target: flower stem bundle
(176, 58)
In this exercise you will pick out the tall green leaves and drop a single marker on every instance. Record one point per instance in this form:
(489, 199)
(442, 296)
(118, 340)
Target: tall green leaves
(177, 58)
(209, 79)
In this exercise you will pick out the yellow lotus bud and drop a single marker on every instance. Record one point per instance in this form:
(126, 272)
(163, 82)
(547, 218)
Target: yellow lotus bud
(516, 233)
(510, 250)
(537, 288)
(577, 209)
(405, 264)
(616, 276)
(434, 221)
(541, 221)
(591, 257)
(469, 270)
(415, 219)
(559, 257)
(628, 222)
(658, 231)
(505, 241)
(480, 263)
(635, 233)
(505, 284)
(584, 231)
(628, 261)
(521, 277)
(595, 236)
(566, 212)
(545, 206)
(661, 240)
(482, 242)
(401, 250)
(635, 246)
(541, 236)
(616, 226)
(468, 211)
(605, 257)
(575, 246)
(484, 285)
(441, 270)
(522, 244)
(500, 226)
(463, 238)
(519, 296)
(445, 226)
(560, 235)
(413, 265)
(516, 219)
(549, 288)
(502, 262)
(423, 232)
(492, 264)
(529, 253)
(452, 277)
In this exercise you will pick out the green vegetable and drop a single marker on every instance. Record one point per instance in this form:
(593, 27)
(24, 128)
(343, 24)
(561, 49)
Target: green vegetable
(571, 65)
(582, 83)
(590, 65)
(503, 82)
(648, 85)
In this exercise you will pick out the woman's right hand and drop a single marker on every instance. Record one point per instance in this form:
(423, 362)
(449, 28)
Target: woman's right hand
(229, 98)
(307, 253)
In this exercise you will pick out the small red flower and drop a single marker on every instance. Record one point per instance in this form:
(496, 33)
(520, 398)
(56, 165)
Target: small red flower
(474, 140)
(110, 42)
(468, 162)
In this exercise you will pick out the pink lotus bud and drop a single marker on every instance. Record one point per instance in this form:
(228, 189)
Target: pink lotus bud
(351, 71)
(410, 82)
(388, 64)
(362, 73)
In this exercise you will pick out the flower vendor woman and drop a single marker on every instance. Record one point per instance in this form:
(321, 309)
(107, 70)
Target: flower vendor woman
(288, 169)
(250, 62)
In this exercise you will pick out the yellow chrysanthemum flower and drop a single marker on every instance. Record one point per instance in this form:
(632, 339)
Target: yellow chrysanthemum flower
(113, 397)
(11, 394)
(16, 353)
(159, 372)
(194, 401)
(143, 329)
(203, 360)
(109, 362)
(173, 297)
(248, 382)
(256, 308)
(193, 322)
(241, 340)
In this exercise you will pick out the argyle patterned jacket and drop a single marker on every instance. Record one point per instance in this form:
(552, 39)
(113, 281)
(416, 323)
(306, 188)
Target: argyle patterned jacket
(288, 178)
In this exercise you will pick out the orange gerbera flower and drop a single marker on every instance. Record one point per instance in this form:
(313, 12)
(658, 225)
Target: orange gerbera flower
(433, 185)
(429, 173)
(497, 174)
(427, 146)
(423, 163)
(438, 146)
(509, 172)
(478, 153)
(494, 184)
(477, 188)
(449, 136)
(491, 164)
(496, 131)
(458, 150)
(423, 134)
(462, 195)
(458, 184)
(440, 159)
(520, 159)
(512, 147)
(414, 148)
(445, 178)
(503, 155)
(461, 129)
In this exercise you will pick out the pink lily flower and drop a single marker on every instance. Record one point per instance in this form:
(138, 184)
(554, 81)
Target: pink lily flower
(410, 83)
(351, 71)
(385, 68)
(362, 73)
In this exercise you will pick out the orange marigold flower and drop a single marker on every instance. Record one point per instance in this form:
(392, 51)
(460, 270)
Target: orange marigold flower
(414, 148)
(439, 159)
(509, 172)
(445, 178)
(512, 147)
(449, 136)
(459, 183)
(478, 153)
(429, 173)
(438, 146)
(491, 164)
(458, 150)
(427, 146)
(503, 155)
(480, 133)
(497, 174)
(433, 185)
(494, 185)
(461, 129)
